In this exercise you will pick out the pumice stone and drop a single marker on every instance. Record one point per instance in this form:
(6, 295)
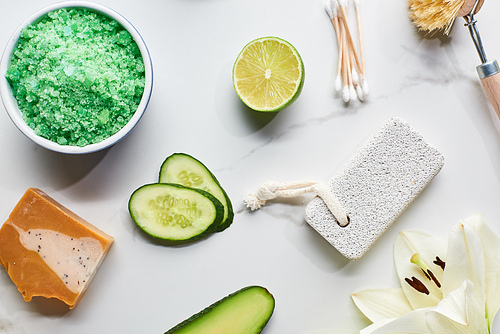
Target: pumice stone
(375, 186)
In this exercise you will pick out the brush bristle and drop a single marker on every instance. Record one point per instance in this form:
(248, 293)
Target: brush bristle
(433, 15)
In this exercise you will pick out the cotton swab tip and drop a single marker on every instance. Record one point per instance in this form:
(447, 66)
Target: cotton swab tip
(359, 91)
(357, 4)
(329, 10)
(352, 93)
(335, 7)
(364, 85)
(338, 83)
(355, 76)
(345, 94)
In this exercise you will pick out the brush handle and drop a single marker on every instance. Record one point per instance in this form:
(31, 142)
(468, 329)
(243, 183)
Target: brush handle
(467, 7)
(489, 73)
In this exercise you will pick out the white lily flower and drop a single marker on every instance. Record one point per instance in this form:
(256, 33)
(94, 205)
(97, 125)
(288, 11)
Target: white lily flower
(474, 254)
(461, 311)
(419, 258)
(380, 304)
(413, 322)
(462, 298)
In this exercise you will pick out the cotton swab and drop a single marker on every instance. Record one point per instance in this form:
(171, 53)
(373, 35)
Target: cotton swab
(364, 86)
(357, 4)
(343, 17)
(338, 80)
(335, 9)
(332, 10)
(351, 69)
(347, 67)
(345, 75)
(363, 82)
(355, 76)
(350, 52)
(359, 92)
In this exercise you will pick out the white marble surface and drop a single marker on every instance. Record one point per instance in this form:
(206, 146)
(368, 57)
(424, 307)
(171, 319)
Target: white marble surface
(145, 287)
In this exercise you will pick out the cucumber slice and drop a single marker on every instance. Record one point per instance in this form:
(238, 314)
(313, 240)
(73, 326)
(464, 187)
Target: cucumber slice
(183, 169)
(174, 212)
(245, 311)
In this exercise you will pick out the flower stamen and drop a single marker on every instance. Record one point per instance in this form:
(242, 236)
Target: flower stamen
(417, 285)
(416, 259)
(439, 262)
(434, 279)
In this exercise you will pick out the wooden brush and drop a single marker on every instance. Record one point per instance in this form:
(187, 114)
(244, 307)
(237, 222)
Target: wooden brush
(434, 15)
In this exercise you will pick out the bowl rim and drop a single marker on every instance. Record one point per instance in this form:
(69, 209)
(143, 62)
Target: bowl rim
(10, 102)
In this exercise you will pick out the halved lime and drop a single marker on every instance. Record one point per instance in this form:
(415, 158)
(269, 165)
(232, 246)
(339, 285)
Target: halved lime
(268, 74)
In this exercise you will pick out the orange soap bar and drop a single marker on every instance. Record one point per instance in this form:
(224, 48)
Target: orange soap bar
(49, 251)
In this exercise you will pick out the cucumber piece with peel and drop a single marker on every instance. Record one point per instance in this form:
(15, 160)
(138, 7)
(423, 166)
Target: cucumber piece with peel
(186, 170)
(174, 212)
(245, 311)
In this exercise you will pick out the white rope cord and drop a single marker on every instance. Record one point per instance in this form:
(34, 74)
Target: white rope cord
(270, 190)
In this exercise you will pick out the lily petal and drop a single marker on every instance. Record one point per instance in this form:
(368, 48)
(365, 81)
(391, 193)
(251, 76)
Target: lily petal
(491, 248)
(379, 304)
(453, 306)
(461, 311)
(370, 329)
(411, 323)
(428, 246)
(465, 261)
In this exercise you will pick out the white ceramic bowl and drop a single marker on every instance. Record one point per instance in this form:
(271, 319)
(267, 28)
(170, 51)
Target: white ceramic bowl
(10, 102)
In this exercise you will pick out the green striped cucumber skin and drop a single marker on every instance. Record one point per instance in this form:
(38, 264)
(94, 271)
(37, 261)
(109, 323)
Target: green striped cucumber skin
(246, 311)
(182, 168)
(174, 212)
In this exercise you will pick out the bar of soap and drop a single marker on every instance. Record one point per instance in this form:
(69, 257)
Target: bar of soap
(49, 251)
(375, 187)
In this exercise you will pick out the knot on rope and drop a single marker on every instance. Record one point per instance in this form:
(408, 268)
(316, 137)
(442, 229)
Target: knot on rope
(266, 192)
(270, 190)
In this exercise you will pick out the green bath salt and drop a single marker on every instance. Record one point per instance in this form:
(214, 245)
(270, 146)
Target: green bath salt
(77, 75)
